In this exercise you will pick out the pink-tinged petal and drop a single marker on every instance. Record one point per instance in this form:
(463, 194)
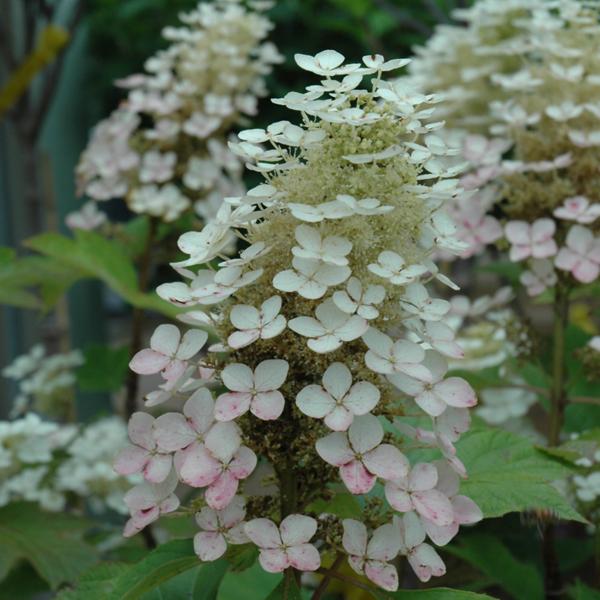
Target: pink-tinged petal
(232, 405)
(518, 253)
(397, 497)
(199, 409)
(263, 532)
(426, 562)
(237, 535)
(334, 449)
(297, 529)
(423, 476)
(157, 468)
(146, 362)
(544, 249)
(339, 419)
(456, 392)
(267, 406)
(356, 478)
(433, 505)
(566, 259)
(238, 377)
(241, 339)
(165, 339)
(304, 557)
(382, 574)
(139, 520)
(243, 463)
(180, 456)
(542, 230)
(221, 491)
(431, 403)
(131, 459)
(357, 563)
(234, 513)
(466, 511)
(518, 232)
(209, 545)
(173, 432)
(314, 401)
(365, 433)
(200, 468)
(453, 423)
(384, 543)
(139, 429)
(169, 504)
(273, 561)
(223, 440)
(174, 370)
(362, 398)
(355, 536)
(420, 372)
(586, 271)
(337, 380)
(440, 535)
(387, 462)
(207, 519)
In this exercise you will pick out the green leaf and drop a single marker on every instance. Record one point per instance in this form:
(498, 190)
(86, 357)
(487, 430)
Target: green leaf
(52, 543)
(488, 554)
(104, 369)
(431, 594)
(508, 474)
(509, 270)
(250, 584)
(163, 563)
(23, 583)
(343, 505)
(241, 557)
(96, 584)
(95, 256)
(287, 589)
(580, 591)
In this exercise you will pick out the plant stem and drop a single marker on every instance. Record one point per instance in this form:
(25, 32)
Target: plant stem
(330, 573)
(346, 579)
(137, 320)
(558, 399)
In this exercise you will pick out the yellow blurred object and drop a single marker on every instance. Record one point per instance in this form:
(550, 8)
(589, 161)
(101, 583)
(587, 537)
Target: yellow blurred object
(579, 315)
(52, 39)
(345, 590)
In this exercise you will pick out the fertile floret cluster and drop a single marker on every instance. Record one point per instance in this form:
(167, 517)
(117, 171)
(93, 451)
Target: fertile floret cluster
(333, 352)
(164, 149)
(528, 73)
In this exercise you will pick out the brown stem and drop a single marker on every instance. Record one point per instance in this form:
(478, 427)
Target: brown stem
(137, 321)
(330, 573)
(558, 397)
(346, 579)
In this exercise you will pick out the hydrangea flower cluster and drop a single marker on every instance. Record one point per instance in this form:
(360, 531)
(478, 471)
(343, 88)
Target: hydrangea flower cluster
(45, 382)
(164, 149)
(50, 464)
(331, 343)
(528, 72)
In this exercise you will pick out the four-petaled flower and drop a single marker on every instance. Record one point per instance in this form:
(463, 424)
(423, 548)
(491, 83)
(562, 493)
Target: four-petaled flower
(330, 329)
(535, 240)
(581, 255)
(416, 301)
(254, 324)
(540, 276)
(168, 352)
(372, 557)
(579, 209)
(361, 456)
(287, 545)
(326, 63)
(331, 250)
(310, 278)
(435, 395)
(256, 390)
(393, 267)
(220, 527)
(417, 492)
(356, 300)
(338, 401)
(143, 455)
